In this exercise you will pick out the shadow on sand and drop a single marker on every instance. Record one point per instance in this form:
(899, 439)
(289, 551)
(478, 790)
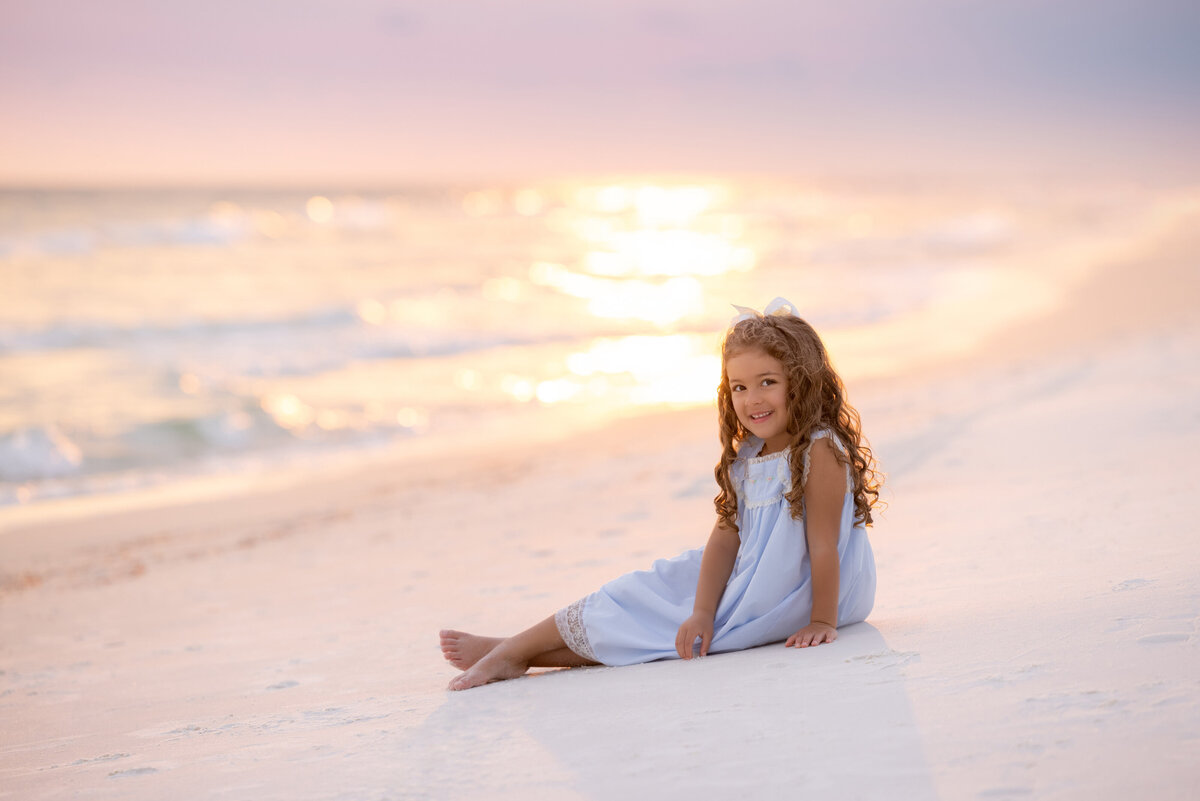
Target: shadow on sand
(828, 722)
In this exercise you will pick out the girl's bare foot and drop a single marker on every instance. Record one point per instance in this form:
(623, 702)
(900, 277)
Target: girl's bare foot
(495, 666)
(463, 650)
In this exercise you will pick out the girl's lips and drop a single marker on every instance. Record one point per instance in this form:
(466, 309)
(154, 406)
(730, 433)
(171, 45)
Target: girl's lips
(758, 417)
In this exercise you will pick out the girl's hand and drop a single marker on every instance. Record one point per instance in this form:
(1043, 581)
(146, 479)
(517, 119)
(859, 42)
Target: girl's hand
(698, 625)
(812, 634)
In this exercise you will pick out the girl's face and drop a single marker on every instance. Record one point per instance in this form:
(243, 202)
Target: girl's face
(758, 387)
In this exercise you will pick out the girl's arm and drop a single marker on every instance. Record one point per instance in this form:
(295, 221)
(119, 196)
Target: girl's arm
(715, 567)
(823, 496)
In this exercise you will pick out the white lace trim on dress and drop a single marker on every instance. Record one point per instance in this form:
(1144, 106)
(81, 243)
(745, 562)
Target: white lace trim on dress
(768, 457)
(569, 621)
(739, 472)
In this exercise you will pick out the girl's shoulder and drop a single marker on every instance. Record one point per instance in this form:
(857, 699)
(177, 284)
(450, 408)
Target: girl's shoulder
(836, 442)
(825, 433)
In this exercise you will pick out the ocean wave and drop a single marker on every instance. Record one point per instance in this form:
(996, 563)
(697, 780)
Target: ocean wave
(72, 334)
(308, 343)
(75, 241)
(41, 463)
(38, 452)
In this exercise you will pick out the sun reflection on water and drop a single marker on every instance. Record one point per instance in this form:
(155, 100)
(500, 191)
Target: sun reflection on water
(672, 368)
(319, 209)
(637, 261)
(642, 255)
(289, 411)
(642, 252)
(659, 303)
(673, 252)
(643, 369)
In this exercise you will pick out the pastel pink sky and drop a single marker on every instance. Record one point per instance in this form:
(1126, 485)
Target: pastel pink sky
(155, 91)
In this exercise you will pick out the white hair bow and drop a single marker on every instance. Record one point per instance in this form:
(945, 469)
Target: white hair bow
(779, 306)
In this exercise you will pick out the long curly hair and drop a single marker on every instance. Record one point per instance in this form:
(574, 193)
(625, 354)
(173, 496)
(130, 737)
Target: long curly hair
(816, 399)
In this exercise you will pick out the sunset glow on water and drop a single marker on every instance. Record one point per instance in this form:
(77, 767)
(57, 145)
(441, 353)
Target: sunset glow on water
(149, 335)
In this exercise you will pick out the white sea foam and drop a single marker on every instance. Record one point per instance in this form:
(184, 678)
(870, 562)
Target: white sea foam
(38, 452)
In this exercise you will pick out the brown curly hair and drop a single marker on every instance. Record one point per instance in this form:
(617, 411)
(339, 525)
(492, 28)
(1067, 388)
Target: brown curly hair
(816, 400)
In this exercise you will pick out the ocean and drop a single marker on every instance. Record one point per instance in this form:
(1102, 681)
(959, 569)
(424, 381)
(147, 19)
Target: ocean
(153, 336)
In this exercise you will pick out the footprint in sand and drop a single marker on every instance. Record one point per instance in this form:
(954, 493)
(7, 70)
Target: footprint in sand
(888, 658)
(120, 774)
(1152, 639)
(105, 758)
(1131, 584)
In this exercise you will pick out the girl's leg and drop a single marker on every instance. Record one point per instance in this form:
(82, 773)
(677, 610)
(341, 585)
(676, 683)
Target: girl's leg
(463, 650)
(539, 645)
(562, 657)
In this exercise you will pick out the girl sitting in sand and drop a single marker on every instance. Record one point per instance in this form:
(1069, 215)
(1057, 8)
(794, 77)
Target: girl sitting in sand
(788, 558)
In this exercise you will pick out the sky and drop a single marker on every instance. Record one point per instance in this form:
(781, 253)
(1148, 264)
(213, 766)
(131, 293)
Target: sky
(377, 92)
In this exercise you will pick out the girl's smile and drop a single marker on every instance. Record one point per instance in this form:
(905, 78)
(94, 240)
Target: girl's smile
(758, 387)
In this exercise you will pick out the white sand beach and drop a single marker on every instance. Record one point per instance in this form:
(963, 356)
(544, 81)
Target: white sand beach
(1034, 635)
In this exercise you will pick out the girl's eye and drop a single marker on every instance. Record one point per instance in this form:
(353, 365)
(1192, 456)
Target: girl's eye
(737, 388)
(768, 382)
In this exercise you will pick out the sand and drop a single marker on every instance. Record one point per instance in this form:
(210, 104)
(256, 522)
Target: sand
(1034, 636)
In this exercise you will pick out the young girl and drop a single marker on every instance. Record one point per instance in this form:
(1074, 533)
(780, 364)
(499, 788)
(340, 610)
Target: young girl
(788, 558)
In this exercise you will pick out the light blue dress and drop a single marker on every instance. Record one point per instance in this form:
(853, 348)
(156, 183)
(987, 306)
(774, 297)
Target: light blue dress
(635, 618)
